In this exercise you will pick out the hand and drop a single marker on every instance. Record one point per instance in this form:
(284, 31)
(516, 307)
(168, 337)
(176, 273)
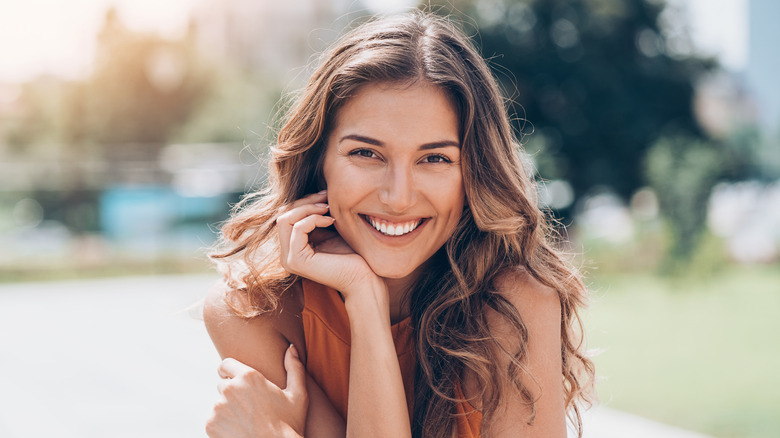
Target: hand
(251, 406)
(311, 251)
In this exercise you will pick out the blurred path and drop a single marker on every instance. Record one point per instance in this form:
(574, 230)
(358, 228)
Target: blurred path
(115, 358)
(129, 357)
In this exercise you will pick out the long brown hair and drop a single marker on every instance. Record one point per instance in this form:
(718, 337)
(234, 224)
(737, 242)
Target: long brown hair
(502, 228)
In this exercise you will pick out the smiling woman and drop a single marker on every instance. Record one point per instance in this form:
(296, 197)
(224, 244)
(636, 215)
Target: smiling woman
(396, 277)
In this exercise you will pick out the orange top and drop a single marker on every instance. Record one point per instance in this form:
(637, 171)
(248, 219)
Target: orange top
(326, 330)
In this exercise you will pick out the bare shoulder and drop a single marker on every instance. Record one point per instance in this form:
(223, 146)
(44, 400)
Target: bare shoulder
(536, 302)
(259, 342)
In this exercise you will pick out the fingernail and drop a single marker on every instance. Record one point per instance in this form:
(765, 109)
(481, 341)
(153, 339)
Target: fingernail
(322, 192)
(320, 204)
(294, 351)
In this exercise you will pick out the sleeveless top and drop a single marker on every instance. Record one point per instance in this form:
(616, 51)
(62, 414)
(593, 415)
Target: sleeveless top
(327, 337)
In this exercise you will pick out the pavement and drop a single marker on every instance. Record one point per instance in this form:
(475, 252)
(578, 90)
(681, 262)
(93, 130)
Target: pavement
(129, 357)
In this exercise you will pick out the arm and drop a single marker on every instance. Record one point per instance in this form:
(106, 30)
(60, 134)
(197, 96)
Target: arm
(540, 310)
(261, 344)
(374, 368)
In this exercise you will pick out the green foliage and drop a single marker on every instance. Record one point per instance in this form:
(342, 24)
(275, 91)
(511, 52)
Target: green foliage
(235, 109)
(598, 80)
(682, 171)
(39, 118)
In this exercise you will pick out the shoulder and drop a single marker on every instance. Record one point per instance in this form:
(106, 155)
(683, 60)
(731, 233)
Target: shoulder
(539, 305)
(260, 341)
(539, 309)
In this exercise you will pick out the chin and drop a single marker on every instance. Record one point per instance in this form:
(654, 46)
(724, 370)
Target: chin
(382, 269)
(392, 273)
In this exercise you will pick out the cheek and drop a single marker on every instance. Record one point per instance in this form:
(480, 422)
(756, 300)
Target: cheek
(343, 192)
(448, 194)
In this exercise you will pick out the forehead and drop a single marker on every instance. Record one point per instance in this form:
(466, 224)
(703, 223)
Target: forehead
(415, 112)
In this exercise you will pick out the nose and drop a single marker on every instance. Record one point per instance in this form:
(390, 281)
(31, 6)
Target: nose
(397, 190)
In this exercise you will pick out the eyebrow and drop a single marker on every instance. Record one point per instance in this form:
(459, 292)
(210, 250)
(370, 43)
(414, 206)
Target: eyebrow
(375, 142)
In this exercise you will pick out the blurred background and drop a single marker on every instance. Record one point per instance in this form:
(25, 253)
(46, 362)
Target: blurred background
(129, 127)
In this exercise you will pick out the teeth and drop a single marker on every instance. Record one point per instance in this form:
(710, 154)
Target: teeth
(393, 229)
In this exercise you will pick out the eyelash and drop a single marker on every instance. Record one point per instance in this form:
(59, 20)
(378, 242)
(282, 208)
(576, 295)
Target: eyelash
(440, 159)
(364, 153)
(367, 153)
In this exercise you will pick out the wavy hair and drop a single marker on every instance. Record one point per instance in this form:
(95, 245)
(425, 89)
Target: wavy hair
(502, 229)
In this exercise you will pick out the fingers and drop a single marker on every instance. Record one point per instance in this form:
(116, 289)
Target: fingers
(222, 384)
(312, 205)
(299, 237)
(296, 214)
(296, 373)
(237, 374)
(314, 198)
(321, 196)
(231, 368)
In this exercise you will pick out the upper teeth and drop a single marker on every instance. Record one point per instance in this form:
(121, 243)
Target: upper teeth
(391, 228)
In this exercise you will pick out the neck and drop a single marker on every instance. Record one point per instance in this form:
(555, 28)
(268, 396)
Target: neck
(398, 290)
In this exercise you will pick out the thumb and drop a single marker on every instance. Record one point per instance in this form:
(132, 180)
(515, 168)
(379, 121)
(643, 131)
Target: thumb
(296, 374)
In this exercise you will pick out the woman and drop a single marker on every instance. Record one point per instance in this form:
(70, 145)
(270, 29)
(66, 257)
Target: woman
(396, 276)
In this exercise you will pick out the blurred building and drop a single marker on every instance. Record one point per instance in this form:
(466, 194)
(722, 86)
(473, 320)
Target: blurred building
(763, 61)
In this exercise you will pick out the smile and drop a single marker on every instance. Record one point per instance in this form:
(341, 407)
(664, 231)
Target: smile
(393, 228)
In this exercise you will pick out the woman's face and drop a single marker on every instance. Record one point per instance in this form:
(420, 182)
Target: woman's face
(393, 173)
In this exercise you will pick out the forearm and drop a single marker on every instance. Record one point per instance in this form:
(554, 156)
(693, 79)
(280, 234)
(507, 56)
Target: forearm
(377, 402)
(322, 420)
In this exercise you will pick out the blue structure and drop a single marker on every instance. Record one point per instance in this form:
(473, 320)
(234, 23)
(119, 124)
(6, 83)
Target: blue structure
(149, 218)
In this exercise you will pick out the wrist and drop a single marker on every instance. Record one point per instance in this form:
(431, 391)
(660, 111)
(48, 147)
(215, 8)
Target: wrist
(370, 298)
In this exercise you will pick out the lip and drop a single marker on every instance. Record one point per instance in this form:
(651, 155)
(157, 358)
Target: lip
(395, 239)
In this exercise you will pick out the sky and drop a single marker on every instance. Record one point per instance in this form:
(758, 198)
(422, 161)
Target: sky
(720, 27)
(57, 36)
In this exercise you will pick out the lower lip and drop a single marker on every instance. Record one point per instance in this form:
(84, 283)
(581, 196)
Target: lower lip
(395, 239)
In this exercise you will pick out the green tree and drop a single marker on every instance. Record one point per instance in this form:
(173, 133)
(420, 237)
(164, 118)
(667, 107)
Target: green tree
(596, 80)
(682, 171)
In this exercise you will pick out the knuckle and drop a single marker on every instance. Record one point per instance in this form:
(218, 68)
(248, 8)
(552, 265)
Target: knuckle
(254, 378)
(299, 396)
(219, 407)
(303, 397)
(229, 391)
(283, 218)
(210, 429)
(212, 424)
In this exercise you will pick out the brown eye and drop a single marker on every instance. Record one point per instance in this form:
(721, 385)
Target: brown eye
(437, 158)
(366, 153)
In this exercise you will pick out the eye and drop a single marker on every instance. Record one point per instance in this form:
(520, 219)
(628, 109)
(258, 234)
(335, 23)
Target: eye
(365, 153)
(436, 158)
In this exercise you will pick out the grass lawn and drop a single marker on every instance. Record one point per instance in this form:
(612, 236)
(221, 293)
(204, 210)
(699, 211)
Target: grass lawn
(702, 354)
